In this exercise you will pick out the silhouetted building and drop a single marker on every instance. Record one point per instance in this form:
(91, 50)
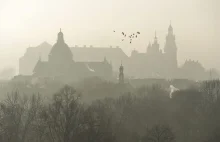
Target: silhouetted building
(81, 54)
(61, 66)
(155, 63)
(193, 70)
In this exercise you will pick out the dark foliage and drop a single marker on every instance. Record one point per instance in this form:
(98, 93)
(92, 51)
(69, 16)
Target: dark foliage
(146, 114)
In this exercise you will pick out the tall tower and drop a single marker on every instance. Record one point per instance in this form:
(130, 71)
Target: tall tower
(170, 48)
(121, 75)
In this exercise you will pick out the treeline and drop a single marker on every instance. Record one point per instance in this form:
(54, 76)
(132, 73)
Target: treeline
(148, 115)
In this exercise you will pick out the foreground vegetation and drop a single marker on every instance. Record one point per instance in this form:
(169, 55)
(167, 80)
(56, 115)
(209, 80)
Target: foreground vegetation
(146, 114)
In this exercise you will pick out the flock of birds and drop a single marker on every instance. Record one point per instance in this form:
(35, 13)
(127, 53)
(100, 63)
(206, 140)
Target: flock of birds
(130, 37)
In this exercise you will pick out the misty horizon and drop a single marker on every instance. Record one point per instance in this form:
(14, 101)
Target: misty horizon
(109, 70)
(195, 27)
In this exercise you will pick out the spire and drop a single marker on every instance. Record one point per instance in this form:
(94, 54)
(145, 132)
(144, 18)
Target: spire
(170, 29)
(60, 29)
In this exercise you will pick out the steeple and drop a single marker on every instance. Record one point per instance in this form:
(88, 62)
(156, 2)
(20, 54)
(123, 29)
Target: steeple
(170, 40)
(155, 46)
(170, 29)
(121, 74)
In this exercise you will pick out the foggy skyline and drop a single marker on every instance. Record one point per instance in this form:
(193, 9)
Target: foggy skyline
(86, 22)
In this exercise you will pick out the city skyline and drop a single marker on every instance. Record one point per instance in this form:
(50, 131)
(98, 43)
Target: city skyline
(95, 28)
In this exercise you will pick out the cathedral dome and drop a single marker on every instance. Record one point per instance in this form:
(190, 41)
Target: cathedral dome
(60, 51)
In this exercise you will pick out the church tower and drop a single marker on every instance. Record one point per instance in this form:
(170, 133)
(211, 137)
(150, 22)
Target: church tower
(121, 75)
(170, 48)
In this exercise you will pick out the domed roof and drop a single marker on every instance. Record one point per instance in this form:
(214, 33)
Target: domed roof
(60, 50)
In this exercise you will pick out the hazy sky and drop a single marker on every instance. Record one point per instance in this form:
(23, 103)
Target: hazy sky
(91, 22)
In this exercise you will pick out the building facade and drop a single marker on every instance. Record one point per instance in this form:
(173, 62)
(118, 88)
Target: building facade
(61, 66)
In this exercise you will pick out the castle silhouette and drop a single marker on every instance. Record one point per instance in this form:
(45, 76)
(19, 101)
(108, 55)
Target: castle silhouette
(60, 61)
(156, 62)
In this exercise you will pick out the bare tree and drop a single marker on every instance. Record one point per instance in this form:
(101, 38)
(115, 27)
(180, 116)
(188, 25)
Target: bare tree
(159, 133)
(17, 117)
(63, 117)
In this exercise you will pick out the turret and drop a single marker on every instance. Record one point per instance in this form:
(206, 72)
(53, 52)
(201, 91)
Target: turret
(155, 46)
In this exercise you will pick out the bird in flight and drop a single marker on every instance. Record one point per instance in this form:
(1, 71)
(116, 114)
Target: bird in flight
(132, 36)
